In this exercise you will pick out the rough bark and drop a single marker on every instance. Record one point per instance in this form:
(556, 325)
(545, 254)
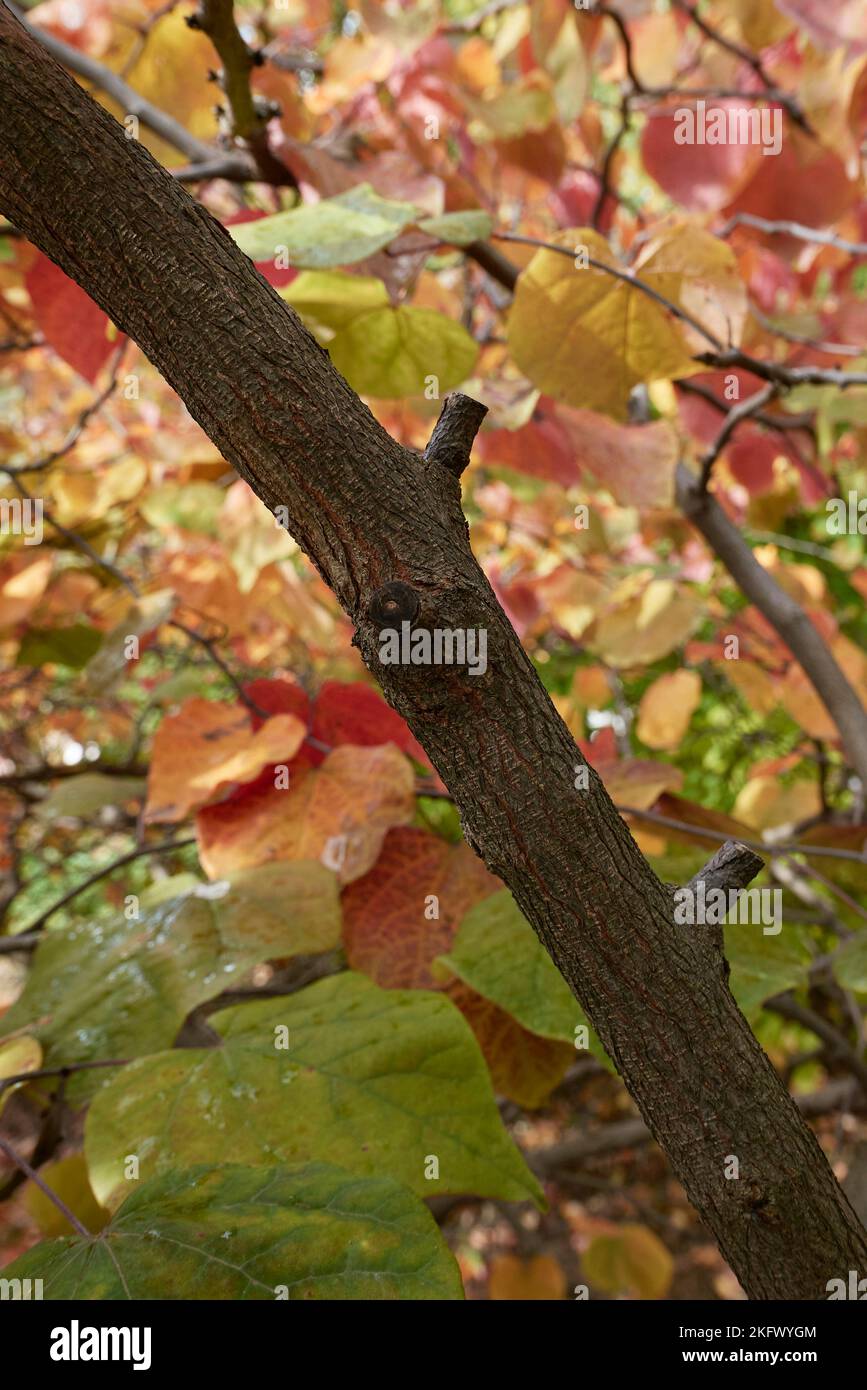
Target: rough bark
(371, 513)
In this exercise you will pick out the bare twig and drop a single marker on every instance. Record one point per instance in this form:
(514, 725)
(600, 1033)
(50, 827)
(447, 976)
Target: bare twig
(9, 944)
(735, 417)
(793, 229)
(783, 613)
(127, 97)
(58, 1202)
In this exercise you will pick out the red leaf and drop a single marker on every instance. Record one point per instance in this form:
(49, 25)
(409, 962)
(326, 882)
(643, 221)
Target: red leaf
(702, 178)
(354, 713)
(541, 448)
(73, 325)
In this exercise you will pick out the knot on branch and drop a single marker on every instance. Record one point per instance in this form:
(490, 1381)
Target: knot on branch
(393, 604)
(452, 439)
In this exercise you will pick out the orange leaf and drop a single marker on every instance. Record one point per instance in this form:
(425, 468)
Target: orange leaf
(666, 708)
(23, 580)
(389, 930)
(391, 935)
(512, 1278)
(207, 746)
(338, 813)
(523, 1066)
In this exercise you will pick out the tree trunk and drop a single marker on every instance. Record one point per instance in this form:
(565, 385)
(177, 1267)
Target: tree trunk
(370, 513)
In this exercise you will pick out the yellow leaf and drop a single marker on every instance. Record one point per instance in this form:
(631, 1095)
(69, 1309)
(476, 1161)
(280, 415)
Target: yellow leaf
(666, 708)
(402, 352)
(88, 496)
(333, 298)
(586, 337)
(752, 682)
(17, 1055)
(710, 287)
(68, 1178)
(641, 628)
(172, 72)
(630, 1260)
(765, 803)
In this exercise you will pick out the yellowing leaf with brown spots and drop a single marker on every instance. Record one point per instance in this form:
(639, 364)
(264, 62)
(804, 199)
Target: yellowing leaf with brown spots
(587, 337)
(207, 746)
(338, 813)
(666, 708)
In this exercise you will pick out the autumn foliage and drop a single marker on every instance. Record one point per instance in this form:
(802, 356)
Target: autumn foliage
(281, 981)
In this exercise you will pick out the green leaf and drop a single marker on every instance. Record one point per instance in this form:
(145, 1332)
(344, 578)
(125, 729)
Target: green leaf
(850, 962)
(123, 989)
(497, 953)
(334, 231)
(333, 298)
(265, 1233)
(194, 506)
(399, 352)
(459, 228)
(764, 965)
(66, 646)
(89, 792)
(379, 1081)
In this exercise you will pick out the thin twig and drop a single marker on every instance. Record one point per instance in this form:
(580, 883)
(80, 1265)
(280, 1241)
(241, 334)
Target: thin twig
(31, 1173)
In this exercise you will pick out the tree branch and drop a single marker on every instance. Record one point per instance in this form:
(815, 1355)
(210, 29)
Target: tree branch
(248, 117)
(732, 867)
(735, 417)
(452, 439)
(783, 613)
(163, 125)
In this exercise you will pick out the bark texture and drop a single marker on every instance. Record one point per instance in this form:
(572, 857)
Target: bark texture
(371, 513)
